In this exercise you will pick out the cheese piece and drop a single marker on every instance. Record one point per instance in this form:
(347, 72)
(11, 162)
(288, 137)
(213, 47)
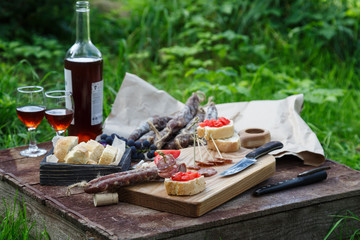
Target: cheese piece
(95, 150)
(225, 145)
(180, 188)
(216, 132)
(63, 146)
(90, 161)
(108, 155)
(121, 147)
(78, 155)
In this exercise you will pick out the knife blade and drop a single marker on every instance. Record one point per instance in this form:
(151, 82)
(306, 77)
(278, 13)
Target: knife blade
(251, 157)
(316, 175)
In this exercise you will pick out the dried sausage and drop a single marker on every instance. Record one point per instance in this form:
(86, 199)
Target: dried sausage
(150, 136)
(179, 121)
(115, 181)
(186, 136)
(157, 121)
(194, 167)
(207, 172)
(204, 164)
(211, 112)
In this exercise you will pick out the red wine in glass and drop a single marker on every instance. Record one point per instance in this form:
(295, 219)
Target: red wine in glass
(60, 118)
(30, 108)
(31, 116)
(59, 113)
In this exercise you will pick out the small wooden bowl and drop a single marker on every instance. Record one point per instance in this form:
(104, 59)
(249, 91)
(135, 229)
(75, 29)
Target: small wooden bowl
(254, 137)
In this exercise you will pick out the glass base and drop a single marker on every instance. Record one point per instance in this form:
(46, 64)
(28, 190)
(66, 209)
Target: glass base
(33, 152)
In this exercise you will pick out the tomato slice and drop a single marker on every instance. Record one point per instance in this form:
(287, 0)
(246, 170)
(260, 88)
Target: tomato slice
(202, 124)
(218, 124)
(174, 152)
(215, 123)
(183, 177)
(225, 121)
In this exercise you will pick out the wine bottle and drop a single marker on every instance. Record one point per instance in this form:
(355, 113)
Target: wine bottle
(83, 77)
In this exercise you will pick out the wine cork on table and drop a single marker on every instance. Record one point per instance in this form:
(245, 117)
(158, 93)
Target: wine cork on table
(102, 199)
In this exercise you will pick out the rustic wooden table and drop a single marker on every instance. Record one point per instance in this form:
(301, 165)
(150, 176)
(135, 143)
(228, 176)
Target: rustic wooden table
(300, 213)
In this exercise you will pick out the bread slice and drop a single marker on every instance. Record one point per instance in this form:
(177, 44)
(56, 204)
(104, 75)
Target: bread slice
(95, 150)
(180, 188)
(231, 144)
(91, 162)
(108, 155)
(63, 146)
(216, 132)
(78, 155)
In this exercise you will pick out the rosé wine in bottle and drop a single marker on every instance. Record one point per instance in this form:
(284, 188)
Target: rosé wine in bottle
(83, 77)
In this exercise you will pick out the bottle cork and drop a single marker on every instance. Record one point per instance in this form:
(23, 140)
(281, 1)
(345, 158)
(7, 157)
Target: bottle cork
(102, 199)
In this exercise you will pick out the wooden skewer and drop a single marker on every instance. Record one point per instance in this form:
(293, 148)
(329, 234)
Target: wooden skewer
(216, 147)
(211, 156)
(199, 149)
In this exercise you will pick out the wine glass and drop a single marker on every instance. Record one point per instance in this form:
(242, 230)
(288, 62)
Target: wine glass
(30, 108)
(59, 110)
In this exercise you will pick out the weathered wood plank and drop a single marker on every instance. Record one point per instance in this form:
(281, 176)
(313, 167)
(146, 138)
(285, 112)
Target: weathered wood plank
(312, 222)
(301, 213)
(56, 224)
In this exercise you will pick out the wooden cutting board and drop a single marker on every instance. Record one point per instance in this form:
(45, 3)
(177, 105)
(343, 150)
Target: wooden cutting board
(218, 189)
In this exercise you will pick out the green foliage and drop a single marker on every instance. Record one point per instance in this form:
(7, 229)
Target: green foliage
(347, 227)
(232, 50)
(14, 223)
(20, 20)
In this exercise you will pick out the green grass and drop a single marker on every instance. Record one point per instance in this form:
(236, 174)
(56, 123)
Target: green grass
(347, 227)
(233, 50)
(14, 223)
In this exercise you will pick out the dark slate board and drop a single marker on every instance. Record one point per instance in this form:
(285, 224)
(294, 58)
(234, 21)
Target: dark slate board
(63, 174)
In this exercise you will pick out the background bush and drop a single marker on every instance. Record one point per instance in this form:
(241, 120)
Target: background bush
(233, 50)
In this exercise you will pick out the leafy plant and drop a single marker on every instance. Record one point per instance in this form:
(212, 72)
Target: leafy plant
(15, 225)
(347, 227)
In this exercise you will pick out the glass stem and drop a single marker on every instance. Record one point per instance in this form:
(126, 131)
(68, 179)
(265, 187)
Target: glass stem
(60, 133)
(32, 141)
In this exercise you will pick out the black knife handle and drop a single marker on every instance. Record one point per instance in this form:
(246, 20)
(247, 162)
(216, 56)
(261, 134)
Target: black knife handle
(264, 149)
(294, 182)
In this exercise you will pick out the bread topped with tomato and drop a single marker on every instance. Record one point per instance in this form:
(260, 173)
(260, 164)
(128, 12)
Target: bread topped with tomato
(231, 144)
(185, 184)
(221, 128)
(219, 134)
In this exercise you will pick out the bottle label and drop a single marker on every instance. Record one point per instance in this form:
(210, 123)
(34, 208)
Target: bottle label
(97, 102)
(68, 88)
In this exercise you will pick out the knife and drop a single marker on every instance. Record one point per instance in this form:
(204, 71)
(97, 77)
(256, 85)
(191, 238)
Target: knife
(305, 178)
(251, 157)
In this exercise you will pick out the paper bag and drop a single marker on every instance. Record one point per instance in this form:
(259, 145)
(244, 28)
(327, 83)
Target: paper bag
(138, 100)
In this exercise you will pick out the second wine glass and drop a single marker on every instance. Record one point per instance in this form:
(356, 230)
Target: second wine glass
(59, 110)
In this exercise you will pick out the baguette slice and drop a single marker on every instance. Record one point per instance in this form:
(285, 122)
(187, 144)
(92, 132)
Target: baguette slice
(108, 155)
(95, 150)
(63, 147)
(225, 145)
(78, 155)
(217, 132)
(179, 188)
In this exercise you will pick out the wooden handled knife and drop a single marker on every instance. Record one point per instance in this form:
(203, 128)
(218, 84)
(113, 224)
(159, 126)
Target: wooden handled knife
(251, 157)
